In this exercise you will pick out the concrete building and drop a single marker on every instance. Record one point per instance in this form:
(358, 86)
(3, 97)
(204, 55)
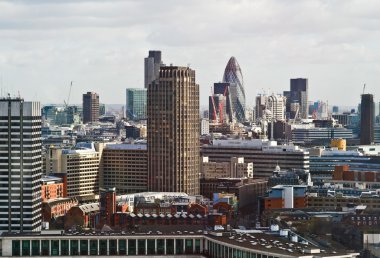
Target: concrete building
(125, 167)
(20, 165)
(136, 104)
(152, 65)
(367, 116)
(173, 131)
(78, 167)
(265, 155)
(276, 104)
(320, 135)
(286, 196)
(205, 126)
(236, 168)
(178, 243)
(90, 107)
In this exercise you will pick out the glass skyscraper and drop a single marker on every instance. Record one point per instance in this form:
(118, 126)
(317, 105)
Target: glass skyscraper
(232, 74)
(136, 104)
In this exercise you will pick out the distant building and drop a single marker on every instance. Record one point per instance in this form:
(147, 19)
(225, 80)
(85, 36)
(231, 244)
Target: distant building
(205, 126)
(367, 116)
(276, 104)
(90, 107)
(286, 196)
(173, 131)
(297, 98)
(20, 165)
(262, 153)
(320, 135)
(236, 168)
(233, 75)
(152, 65)
(136, 104)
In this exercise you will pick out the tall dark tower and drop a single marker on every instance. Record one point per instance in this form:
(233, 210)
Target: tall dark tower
(367, 114)
(297, 98)
(173, 131)
(90, 107)
(152, 65)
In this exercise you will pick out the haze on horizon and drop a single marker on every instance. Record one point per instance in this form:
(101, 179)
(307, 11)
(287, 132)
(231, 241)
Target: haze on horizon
(100, 45)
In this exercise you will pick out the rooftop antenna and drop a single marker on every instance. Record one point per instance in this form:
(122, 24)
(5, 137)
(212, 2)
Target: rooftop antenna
(363, 88)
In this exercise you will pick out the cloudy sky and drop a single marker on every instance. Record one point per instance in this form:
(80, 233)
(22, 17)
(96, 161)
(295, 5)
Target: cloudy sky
(100, 45)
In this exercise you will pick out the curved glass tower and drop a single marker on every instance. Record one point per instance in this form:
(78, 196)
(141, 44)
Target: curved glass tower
(232, 75)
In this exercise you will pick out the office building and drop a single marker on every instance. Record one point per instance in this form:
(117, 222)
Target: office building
(222, 92)
(173, 131)
(367, 116)
(265, 155)
(236, 168)
(217, 109)
(233, 75)
(152, 65)
(320, 135)
(20, 165)
(297, 98)
(136, 104)
(204, 126)
(125, 167)
(79, 168)
(276, 104)
(90, 107)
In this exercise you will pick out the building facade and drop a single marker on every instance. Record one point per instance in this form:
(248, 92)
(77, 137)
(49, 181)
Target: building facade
(125, 167)
(90, 107)
(233, 75)
(78, 167)
(367, 116)
(297, 98)
(173, 131)
(136, 104)
(20, 165)
(264, 155)
(152, 65)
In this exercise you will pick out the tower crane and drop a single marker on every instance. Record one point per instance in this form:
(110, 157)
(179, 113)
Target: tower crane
(68, 98)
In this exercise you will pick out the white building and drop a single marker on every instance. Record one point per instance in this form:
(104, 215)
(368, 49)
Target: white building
(20, 165)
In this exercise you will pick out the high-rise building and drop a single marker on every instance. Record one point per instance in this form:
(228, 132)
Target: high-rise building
(173, 131)
(152, 65)
(217, 108)
(90, 107)
(136, 104)
(367, 116)
(20, 165)
(297, 98)
(234, 76)
(276, 104)
(223, 89)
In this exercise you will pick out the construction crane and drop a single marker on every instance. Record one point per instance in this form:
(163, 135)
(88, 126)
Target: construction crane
(221, 105)
(68, 98)
(213, 106)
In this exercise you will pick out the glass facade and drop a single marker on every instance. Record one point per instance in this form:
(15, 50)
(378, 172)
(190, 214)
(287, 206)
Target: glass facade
(136, 104)
(234, 76)
(123, 246)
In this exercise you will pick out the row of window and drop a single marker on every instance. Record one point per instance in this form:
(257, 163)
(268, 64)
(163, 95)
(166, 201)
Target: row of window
(105, 247)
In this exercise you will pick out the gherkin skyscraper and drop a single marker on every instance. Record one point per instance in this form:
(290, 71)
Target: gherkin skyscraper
(233, 76)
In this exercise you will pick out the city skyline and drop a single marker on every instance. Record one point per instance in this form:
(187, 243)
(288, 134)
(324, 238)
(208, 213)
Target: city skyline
(101, 45)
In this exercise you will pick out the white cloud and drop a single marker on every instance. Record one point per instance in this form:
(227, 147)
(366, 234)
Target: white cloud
(101, 44)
